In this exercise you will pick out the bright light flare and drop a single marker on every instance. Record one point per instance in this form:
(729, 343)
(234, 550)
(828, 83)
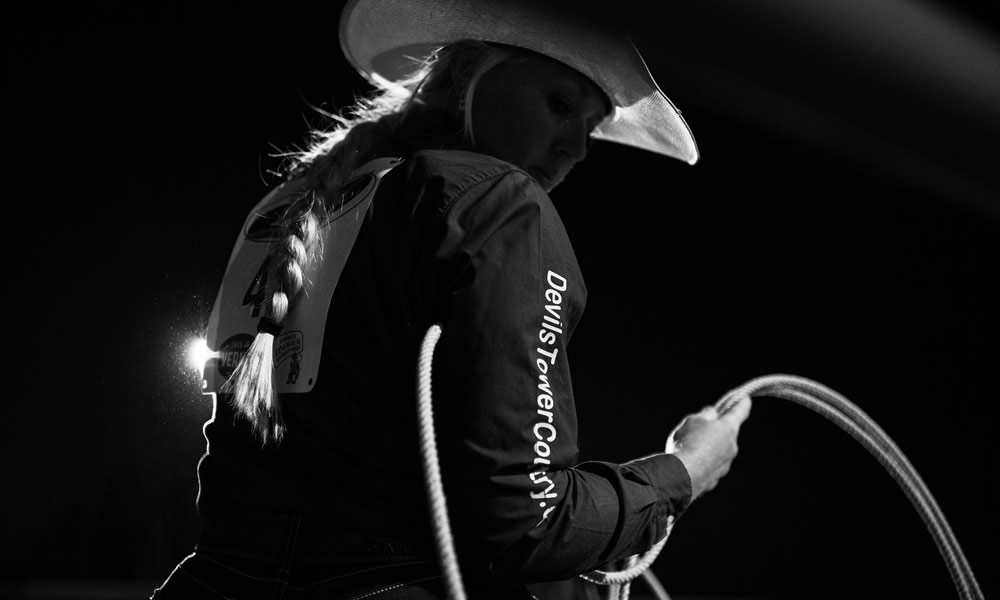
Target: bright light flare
(198, 354)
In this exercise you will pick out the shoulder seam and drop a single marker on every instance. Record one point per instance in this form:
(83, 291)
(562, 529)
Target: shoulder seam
(447, 204)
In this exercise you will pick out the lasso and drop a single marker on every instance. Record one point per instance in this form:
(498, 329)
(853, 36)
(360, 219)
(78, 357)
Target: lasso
(805, 392)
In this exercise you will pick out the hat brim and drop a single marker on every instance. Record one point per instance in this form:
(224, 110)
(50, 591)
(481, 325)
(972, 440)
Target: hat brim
(380, 38)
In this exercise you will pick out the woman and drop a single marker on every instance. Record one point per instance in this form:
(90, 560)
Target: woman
(436, 188)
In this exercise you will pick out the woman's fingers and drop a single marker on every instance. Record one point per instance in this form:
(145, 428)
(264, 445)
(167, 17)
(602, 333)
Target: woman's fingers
(738, 411)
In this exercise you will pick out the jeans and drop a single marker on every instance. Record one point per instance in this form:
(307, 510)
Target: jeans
(291, 557)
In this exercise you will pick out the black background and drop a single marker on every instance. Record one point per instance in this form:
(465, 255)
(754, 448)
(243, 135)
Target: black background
(842, 225)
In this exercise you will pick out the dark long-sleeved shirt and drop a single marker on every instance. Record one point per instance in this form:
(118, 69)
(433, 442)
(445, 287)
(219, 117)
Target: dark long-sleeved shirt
(475, 244)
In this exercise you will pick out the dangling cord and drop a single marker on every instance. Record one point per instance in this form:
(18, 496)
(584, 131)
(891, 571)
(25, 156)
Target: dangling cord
(654, 584)
(432, 468)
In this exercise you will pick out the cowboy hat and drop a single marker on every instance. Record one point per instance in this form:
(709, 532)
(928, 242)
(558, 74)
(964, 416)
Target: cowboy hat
(379, 37)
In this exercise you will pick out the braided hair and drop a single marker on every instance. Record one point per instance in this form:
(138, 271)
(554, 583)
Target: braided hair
(444, 81)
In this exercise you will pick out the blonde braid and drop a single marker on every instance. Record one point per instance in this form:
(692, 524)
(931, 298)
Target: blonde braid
(441, 81)
(254, 394)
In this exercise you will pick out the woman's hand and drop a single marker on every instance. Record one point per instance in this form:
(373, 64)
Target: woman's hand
(706, 443)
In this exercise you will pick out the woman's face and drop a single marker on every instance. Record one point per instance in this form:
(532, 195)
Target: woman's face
(537, 113)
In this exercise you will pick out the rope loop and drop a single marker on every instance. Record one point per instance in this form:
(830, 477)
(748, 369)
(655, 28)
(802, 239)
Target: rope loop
(805, 392)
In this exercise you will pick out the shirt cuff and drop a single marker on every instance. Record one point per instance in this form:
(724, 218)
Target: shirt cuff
(668, 476)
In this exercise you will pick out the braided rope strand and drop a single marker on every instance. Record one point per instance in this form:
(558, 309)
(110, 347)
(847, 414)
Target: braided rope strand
(432, 468)
(637, 566)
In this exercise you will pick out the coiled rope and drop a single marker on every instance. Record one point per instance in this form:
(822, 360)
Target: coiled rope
(802, 391)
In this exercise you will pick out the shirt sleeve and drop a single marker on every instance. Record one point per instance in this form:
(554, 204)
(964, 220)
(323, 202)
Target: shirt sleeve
(511, 294)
